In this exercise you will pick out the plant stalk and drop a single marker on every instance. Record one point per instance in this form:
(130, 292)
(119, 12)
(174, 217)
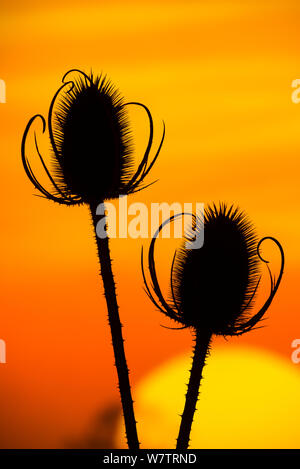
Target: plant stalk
(116, 333)
(201, 351)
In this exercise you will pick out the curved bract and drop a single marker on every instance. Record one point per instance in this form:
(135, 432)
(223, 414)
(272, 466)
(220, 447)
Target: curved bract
(213, 289)
(91, 143)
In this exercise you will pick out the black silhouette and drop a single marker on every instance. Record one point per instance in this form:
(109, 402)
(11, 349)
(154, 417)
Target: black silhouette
(92, 162)
(212, 289)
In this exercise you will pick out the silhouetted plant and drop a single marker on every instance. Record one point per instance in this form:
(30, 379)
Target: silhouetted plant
(92, 162)
(213, 289)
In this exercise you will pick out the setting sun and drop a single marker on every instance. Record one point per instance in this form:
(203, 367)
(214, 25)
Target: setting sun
(249, 399)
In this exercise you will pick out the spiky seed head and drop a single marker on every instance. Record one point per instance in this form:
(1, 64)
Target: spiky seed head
(93, 151)
(214, 285)
(91, 144)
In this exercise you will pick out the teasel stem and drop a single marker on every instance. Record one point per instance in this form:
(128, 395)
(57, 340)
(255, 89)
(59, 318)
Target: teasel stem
(201, 351)
(116, 333)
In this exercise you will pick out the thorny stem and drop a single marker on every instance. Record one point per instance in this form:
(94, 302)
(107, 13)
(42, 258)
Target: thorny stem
(201, 351)
(116, 333)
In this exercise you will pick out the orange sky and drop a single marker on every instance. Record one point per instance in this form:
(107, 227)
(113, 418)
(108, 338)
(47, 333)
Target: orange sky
(219, 73)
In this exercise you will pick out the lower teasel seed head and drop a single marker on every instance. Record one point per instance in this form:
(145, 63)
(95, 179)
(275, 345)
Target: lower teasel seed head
(213, 285)
(213, 288)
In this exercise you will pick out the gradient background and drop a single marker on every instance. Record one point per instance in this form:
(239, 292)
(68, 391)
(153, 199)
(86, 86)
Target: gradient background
(219, 73)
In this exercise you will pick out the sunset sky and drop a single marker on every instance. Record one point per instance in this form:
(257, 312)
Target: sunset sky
(219, 73)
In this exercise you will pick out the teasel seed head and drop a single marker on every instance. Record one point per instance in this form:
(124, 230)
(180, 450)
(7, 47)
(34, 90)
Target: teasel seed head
(91, 143)
(213, 288)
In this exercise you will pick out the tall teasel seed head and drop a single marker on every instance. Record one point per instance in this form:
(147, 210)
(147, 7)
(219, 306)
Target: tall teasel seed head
(91, 143)
(213, 288)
